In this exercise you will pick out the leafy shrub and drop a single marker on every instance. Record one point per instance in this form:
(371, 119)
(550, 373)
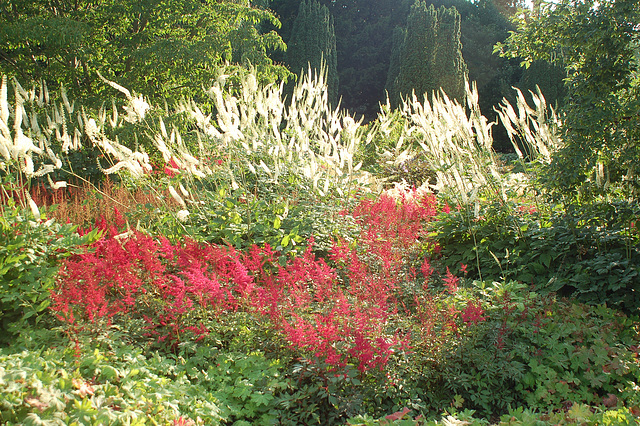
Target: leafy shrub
(489, 348)
(596, 249)
(248, 388)
(578, 354)
(30, 252)
(592, 254)
(556, 352)
(477, 238)
(119, 386)
(282, 216)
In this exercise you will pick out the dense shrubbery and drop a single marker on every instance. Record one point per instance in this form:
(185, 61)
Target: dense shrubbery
(592, 254)
(30, 252)
(266, 279)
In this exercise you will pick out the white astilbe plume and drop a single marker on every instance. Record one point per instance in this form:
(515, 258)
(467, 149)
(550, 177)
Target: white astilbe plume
(137, 163)
(258, 127)
(56, 185)
(454, 139)
(534, 130)
(452, 421)
(176, 196)
(33, 206)
(183, 215)
(137, 107)
(21, 136)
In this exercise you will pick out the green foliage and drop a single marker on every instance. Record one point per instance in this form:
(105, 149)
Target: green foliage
(415, 172)
(474, 237)
(591, 254)
(283, 224)
(323, 394)
(120, 386)
(576, 414)
(431, 55)
(248, 387)
(285, 217)
(313, 45)
(527, 350)
(156, 46)
(395, 60)
(106, 381)
(30, 252)
(364, 31)
(579, 354)
(596, 43)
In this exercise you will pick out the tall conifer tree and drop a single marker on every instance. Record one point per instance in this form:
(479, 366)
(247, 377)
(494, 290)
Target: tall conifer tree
(395, 61)
(313, 41)
(449, 66)
(430, 54)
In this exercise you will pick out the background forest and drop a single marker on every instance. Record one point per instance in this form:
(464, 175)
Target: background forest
(319, 212)
(364, 33)
(163, 48)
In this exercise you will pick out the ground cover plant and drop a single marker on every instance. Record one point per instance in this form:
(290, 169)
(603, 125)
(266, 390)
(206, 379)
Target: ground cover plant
(242, 268)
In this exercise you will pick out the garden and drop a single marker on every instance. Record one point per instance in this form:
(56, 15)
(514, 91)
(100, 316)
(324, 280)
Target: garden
(378, 222)
(254, 259)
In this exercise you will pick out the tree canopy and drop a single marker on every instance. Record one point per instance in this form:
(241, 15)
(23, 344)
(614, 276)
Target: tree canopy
(597, 44)
(157, 47)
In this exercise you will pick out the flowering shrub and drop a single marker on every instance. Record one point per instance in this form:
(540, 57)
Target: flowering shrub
(339, 313)
(376, 325)
(30, 252)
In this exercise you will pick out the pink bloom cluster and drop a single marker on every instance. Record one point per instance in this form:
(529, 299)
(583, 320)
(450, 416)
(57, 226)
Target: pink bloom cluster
(338, 309)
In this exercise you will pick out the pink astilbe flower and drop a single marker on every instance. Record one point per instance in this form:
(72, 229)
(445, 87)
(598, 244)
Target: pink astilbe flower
(426, 270)
(207, 291)
(473, 313)
(117, 276)
(340, 252)
(463, 268)
(451, 282)
(340, 311)
(258, 258)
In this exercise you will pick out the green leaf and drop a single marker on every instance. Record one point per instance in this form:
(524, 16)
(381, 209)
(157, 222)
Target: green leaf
(262, 398)
(108, 373)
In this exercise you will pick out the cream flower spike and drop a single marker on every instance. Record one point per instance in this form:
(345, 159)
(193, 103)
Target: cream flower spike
(137, 107)
(116, 86)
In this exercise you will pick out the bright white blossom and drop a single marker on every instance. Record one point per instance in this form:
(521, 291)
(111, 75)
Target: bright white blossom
(183, 215)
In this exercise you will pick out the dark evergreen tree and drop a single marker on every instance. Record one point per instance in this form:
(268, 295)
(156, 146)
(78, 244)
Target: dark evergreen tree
(312, 42)
(449, 66)
(364, 30)
(431, 54)
(365, 37)
(396, 57)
